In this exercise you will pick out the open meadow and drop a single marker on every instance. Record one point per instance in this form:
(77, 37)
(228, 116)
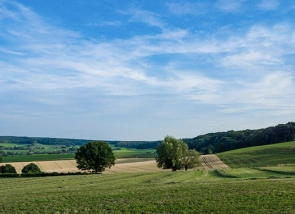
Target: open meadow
(122, 153)
(196, 191)
(136, 185)
(258, 156)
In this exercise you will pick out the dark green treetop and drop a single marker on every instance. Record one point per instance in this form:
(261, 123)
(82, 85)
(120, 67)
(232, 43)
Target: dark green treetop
(95, 156)
(31, 168)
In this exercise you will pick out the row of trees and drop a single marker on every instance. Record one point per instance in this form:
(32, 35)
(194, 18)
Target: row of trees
(42, 140)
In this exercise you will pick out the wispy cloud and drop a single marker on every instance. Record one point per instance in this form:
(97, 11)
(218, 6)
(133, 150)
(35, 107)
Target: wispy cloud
(234, 70)
(144, 16)
(229, 5)
(185, 8)
(269, 4)
(105, 23)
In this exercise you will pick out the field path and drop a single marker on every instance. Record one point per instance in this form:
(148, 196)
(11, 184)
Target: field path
(211, 162)
(208, 162)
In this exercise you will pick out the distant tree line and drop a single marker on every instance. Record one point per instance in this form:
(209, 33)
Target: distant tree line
(138, 144)
(224, 141)
(206, 144)
(42, 140)
(73, 142)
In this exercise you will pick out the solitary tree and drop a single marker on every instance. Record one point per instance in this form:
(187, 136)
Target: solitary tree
(174, 154)
(95, 156)
(31, 168)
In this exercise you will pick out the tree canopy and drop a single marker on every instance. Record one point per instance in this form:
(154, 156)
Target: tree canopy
(95, 156)
(225, 141)
(31, 168)
(8, 168)
(174, 154)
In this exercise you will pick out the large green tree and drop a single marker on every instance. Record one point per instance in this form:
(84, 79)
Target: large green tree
(174, 154)
(95, 156)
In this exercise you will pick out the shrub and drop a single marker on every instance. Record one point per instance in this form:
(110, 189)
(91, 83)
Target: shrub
(8, 168)
(31, 168)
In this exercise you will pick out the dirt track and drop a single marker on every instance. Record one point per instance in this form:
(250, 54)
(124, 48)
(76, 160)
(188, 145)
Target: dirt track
(208, 162)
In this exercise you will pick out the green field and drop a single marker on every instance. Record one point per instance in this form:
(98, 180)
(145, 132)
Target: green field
(13, 144)
(29, 158)
(159, 192)
(258, 156)
(135, 153)
(123, 153)
(260, 187)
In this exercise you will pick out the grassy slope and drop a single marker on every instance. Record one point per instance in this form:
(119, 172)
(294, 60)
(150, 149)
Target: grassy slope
(134, 153)
(236, 190)
(160, 192)
(123, 153)
(258, 156)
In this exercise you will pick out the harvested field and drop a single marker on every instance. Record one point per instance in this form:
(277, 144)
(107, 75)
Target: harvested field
(208, 162)
(211, 162)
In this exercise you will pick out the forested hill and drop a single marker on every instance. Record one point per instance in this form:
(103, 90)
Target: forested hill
(42, 140)
(208, 143)
(75, 142)
(224, 141)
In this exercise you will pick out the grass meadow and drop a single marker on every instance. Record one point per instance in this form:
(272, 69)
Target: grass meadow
(123, 153)
(154, 192)
(261, 180)
(258, 156)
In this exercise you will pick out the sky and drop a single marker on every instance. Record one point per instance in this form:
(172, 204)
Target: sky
(141, 70)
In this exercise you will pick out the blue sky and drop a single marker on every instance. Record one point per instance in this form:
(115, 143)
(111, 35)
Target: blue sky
(141, 70)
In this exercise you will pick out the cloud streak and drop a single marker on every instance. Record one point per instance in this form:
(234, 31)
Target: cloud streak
(234, 70)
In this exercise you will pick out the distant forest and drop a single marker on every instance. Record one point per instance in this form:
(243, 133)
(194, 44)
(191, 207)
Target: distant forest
(76, 142)
(225, 141)
(42, 140)
(206, 144)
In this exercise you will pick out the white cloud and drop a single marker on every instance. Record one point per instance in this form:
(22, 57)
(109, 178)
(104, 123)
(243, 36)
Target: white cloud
(144, 16)
(233, 71)
(269, 4)
(184, 8)
(229, 5)
(105, 23)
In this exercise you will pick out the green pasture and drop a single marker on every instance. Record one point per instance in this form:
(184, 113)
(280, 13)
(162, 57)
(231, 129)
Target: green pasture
(263, 188)
(123, 153)
(259, 156)
(158, 192)
(13, 144)
(135, 153)
(37, 157)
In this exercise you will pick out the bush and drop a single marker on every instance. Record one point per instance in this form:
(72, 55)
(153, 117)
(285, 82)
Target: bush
(31, 168)
(9, 175)
(8, 168)
(45, 174)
